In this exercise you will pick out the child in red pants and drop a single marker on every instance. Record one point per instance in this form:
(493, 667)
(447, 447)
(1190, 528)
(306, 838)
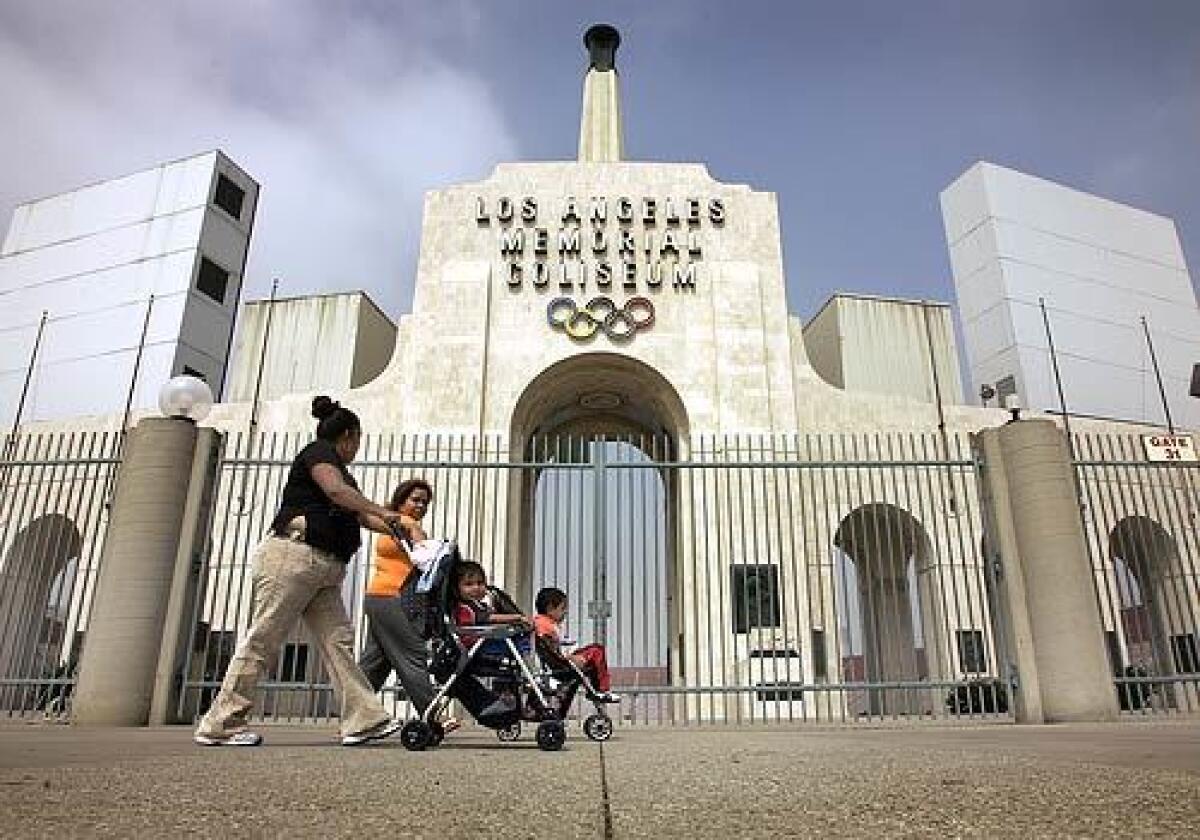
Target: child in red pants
(551, 605)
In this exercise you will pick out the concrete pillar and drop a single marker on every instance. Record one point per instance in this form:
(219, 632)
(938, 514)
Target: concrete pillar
(1049, 620)
(141, 608)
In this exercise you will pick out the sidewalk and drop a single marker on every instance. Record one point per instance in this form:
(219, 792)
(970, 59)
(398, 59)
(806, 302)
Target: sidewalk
(1133, 779)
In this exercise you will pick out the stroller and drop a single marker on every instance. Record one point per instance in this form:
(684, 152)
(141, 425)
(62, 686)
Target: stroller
(543, 697)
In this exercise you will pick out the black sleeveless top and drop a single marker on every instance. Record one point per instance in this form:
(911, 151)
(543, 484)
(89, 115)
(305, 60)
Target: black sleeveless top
(329, 527)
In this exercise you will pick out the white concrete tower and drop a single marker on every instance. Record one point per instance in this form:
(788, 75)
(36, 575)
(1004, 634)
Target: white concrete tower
(600, 134)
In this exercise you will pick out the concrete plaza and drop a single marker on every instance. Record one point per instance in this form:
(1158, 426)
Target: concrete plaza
(1130, 779)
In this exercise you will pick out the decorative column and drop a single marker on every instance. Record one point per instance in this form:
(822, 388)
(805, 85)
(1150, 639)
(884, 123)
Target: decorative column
(1049, 619)
(141, 610)
(600, 133)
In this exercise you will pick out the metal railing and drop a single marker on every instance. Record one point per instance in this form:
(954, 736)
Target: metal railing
(54, 491)
(1141, 522)
(733, 579)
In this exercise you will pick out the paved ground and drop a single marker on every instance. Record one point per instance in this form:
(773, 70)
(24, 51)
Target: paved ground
(1121, 780)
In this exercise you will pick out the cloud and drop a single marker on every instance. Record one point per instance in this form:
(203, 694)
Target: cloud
(344, 115)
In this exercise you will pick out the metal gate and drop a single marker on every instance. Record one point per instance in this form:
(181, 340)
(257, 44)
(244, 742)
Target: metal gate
(54, 494)
(1141, 523)
(732, 578)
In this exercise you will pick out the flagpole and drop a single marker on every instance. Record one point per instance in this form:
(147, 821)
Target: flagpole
(10, 445)
(1162, 392)
(137, 365)
(1062, 400)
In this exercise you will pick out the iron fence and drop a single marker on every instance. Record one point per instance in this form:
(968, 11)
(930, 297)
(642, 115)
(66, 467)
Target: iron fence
(732, 578)
(1140, 521)
(54, 493)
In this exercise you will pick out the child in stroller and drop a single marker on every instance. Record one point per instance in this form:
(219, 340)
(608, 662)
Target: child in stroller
(590, 660)
(491, 650)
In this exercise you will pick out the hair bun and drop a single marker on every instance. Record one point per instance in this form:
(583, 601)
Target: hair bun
(323, 406)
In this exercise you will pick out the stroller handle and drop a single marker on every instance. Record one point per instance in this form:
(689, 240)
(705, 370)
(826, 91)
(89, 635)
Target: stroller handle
(399, 536)
(495, 631)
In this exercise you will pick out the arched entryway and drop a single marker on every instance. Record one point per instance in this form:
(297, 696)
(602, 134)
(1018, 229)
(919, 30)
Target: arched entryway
(35, 599)
(595, 512)
(1158, 613)
(884, 598)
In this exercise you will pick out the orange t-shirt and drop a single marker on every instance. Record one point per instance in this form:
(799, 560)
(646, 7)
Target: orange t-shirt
(546, 627)
(390, 568)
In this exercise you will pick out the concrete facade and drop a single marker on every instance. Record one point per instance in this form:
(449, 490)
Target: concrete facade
(91, 259)
(349, 341)
(1100, 267)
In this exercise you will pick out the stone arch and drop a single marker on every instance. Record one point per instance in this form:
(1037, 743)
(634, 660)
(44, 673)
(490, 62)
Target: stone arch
(32, 591)
(889, 637)
(598, 393)
(1158, 612)
(609, 408)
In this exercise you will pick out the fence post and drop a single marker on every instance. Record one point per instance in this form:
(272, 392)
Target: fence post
(1046, 593)
(141, 597)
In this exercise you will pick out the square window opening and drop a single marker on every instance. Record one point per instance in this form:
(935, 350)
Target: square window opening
(819, 656)
(971, 654)
(212, 280)
(293, 662)
(755, 593)
(229, 196)
(1185, 653)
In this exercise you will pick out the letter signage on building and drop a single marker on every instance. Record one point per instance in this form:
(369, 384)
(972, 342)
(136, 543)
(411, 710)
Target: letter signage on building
(601, 244)
(601, 248)
(1169, 448)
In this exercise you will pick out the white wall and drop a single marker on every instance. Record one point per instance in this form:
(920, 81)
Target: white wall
(882, 346)
(1100, 266)
(375, 343)
(823, 342)
(91, 258)
(346, 343)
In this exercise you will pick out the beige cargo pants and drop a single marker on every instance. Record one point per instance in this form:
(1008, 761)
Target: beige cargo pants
(294, 580)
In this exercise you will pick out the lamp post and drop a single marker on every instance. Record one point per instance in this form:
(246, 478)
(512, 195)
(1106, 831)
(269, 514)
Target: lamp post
(149, 569)
(185, 398)
(1012, 404)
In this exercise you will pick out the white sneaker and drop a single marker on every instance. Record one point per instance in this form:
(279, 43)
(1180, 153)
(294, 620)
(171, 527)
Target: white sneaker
(607, 697)
(237, 739)
(376, 732)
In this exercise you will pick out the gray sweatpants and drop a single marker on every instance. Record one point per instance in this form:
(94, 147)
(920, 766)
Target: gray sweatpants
(393, 644)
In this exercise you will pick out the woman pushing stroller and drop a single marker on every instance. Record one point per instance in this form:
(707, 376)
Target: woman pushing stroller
(396, 614)
(298, 573)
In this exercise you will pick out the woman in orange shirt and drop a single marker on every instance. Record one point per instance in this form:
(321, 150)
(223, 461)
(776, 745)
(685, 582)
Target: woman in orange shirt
(395, 614)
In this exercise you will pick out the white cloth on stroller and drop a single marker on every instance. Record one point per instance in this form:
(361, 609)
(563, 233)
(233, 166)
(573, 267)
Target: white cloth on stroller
(426, 557)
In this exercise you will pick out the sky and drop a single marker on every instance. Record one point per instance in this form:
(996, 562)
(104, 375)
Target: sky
(856, 113)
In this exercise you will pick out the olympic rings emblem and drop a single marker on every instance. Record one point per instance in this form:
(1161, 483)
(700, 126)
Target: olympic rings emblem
(600, 313)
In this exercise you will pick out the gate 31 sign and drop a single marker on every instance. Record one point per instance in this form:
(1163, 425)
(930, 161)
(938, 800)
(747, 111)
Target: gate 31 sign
(1169, 448)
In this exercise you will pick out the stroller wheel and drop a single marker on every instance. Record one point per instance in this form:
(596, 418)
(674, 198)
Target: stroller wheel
(509, 733)
(551, 735)
(417, 735)
(436, 732)
(598, 727)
